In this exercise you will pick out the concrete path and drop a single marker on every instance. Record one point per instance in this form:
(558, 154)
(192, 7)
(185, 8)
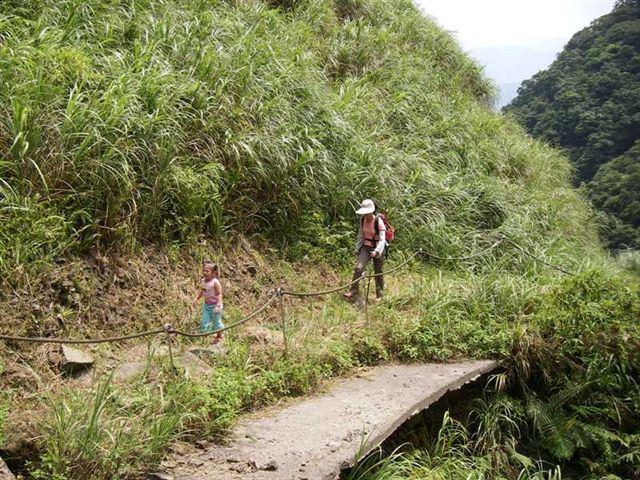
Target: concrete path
(317, 437)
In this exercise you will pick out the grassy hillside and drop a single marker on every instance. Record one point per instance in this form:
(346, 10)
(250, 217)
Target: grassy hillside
(129, 122)
(139, 137)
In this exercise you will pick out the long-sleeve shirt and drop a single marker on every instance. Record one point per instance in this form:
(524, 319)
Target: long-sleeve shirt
(381, 242)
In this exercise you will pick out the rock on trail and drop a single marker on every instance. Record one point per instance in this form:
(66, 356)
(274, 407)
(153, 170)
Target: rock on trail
(74, 361)
(319, 436)
(5, 473)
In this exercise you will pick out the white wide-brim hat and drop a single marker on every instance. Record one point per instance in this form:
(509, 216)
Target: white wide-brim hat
(367, 206)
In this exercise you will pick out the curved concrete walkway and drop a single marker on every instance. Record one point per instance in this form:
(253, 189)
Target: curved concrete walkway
(319, 436)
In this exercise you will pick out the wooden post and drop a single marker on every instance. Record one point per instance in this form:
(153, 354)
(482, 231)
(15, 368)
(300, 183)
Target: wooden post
(283, 323)
(168, 328)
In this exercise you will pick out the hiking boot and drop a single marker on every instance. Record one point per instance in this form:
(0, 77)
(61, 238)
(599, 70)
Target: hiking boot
(349, 297)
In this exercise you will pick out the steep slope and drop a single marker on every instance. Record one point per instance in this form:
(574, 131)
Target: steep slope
(588, 102)
(124, 123)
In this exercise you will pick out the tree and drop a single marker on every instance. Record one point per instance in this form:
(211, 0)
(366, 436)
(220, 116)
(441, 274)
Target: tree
(588, 103)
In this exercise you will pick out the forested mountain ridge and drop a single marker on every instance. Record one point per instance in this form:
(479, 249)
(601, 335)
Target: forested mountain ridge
(588, 102)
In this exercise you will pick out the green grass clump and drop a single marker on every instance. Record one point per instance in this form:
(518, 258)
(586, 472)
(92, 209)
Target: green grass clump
(452, 454)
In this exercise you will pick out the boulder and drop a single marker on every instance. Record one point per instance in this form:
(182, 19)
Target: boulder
(5, 473)
(129, 370)
(258, 334)
(193, 366)
(74, 361)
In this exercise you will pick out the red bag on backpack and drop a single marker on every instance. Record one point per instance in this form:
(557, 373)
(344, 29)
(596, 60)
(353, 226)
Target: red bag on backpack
(391, 232)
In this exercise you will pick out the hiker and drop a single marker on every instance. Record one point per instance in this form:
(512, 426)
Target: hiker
(211, 290)
(370, 244)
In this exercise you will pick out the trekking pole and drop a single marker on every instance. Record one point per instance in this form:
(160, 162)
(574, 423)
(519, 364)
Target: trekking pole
(366, 301)
(283, 322)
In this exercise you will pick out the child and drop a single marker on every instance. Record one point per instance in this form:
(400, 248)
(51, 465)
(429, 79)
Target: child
(211, 290)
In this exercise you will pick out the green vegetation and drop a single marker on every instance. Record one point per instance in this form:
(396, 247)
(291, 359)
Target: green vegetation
(129, 122)
(452, 455)
(614, 190)
(568, 397)
(154, 129)
(566, 408)
(588, 102)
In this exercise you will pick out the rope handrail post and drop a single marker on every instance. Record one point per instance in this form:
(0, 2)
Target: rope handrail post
(283, 321)
(168, 330)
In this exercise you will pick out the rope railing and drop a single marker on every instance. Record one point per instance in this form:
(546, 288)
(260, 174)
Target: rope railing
(472, 255)
(71, 341)
(362, 277)
(168, 329)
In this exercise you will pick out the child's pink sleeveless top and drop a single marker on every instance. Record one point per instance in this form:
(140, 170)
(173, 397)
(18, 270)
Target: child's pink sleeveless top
(209, 294)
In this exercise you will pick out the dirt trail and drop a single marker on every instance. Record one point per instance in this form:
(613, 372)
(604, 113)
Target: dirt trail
(317, 437)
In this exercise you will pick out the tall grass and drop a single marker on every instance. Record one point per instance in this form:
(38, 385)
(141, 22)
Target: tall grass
(451, 455)
(122, 123)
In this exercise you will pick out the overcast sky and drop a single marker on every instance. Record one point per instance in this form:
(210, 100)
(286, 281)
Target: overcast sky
(514, 38)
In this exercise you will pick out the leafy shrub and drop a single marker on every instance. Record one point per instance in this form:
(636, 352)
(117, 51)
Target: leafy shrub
(368, 350)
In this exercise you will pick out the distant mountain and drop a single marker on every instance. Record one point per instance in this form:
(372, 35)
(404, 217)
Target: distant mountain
(508, 65)
(588, 102)
(507, 92)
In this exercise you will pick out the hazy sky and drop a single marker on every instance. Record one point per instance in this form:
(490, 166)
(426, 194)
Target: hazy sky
(513, 22)
(514, 39)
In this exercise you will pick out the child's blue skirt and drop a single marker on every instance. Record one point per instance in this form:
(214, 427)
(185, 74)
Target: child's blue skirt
(210, 320)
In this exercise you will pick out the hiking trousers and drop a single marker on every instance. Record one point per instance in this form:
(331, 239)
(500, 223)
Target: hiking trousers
(364, 255)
